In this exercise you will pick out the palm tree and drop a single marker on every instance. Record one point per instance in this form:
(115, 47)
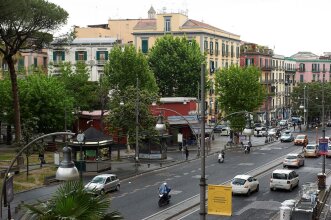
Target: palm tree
(71, 201)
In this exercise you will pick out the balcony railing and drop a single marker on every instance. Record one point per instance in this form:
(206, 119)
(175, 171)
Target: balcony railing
(266, 68)
(101, 62)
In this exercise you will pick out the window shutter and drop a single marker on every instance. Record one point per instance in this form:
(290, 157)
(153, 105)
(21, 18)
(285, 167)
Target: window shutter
(85, 55)
(98, 55)
(63, 55)
(144, 46)
(54, 56)
(106, 55)
(76, 55)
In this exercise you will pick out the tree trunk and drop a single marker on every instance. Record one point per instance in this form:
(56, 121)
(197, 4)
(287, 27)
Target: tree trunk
(16, 103)
(127, 143)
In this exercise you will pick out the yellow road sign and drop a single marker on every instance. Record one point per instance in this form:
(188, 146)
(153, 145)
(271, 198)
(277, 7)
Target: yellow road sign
(220, 200)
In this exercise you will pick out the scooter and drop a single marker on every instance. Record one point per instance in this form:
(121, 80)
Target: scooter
(164, 199)
(247, 149)
(220, 157)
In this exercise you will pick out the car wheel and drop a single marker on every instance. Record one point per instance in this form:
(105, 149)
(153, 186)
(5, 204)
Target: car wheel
(257, 188)
(248, 192)
(118, 188)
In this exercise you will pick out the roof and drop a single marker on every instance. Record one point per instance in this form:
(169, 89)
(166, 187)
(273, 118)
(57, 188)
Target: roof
(190, 23)
(180, 120)
(177, 99)
(282, 171)
(245, 177)
(92, 134)
(86, 41)
(305, 55)
(145, 24)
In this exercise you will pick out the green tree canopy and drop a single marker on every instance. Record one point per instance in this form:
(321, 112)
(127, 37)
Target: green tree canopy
(43, 99)
(25, 24)
(176, 63)
(239, 89)
(131, 82)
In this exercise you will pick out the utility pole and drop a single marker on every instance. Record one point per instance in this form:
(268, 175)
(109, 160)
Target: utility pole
(137, 124)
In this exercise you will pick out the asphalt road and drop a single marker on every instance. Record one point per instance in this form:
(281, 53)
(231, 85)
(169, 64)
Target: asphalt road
(138, 196)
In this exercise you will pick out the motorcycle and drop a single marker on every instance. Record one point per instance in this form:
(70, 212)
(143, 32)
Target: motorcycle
(164, 199)
(221, 157)
(247, 147)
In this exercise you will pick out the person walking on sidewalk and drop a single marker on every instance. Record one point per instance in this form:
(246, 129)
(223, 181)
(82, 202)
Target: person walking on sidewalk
(294, 126)
(186, 153)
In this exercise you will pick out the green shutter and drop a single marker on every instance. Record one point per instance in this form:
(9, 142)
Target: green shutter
(63, 56)
(85, 55)
(35, 62)
(106, 55)
(144, 46)
(76, 55)
(98, 55)
(54, 56)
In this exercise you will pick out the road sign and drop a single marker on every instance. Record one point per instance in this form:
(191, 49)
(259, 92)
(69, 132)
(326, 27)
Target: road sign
(323, 146)
(220, 200)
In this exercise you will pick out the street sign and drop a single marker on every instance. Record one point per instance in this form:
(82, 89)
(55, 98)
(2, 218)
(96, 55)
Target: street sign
(323, 146)
(180, 138)
(220, 200)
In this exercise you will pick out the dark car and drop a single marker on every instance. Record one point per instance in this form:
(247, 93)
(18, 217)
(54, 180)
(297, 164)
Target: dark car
(328, 123)
(218, 128)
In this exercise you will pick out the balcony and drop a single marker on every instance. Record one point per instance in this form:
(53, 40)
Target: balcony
(290, 70)
(302, 70)
(57, 62)
(316, 71)
(211, 51)
(266, 68)
(101, 62)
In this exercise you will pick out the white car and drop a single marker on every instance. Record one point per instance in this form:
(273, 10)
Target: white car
(244, 184)
(103, 183)
(284, 179)
(260, 132)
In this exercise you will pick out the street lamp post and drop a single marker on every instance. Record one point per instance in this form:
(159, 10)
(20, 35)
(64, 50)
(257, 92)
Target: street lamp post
(137, 124)
(322, 176)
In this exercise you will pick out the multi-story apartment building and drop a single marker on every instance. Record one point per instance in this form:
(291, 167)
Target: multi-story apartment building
(278, 83)
(28, 61)
(261, 57)
(91, 51)
(290, 71)
(221, 48)
(312, 68)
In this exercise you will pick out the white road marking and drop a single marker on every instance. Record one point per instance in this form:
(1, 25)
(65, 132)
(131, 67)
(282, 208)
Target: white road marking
(245, 164)
(186, 174)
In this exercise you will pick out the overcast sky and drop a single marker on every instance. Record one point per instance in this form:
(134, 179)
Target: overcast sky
(288, 26)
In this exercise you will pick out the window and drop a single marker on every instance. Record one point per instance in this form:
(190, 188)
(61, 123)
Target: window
(212, 67)
(315, 67)
(249, 61)
(35, 62)
(216, 48)
(232, 54)
(260, 62)
(314, 77)
(167, 24)
(81, 55)
(102, 57)
(44, 62)
(144, 46)
(227, 50)
(237, 53)
(211, 47)
(58, 56)
(302, 67)
(223, 49)
(20, 63)
(323, 67)
(301, 78)
(205, 45)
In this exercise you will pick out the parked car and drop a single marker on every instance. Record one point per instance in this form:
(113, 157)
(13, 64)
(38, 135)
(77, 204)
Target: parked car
(293, 160)
(286, 137)
(284, 179)
(244, 184)
(103, 183)
(301, 139)
(272, 132)
(311, 150)
(328, 123)
(260, 132)
(218, 128)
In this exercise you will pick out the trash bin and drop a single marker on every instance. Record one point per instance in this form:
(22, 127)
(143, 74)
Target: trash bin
(285, 213)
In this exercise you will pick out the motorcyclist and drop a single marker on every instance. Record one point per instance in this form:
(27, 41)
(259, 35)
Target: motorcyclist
(249, 145)
(164, 190)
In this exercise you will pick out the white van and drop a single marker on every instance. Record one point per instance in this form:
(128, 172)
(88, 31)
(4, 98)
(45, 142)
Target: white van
(284, 179)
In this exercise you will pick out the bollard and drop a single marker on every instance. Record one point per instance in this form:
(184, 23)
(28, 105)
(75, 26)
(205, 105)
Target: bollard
(160, 164)
(285, 213)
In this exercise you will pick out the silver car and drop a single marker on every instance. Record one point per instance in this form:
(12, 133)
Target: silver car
(294, 160)
(103, 183)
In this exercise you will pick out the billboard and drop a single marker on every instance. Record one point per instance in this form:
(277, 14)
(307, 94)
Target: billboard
(220, 200)
(323, 146)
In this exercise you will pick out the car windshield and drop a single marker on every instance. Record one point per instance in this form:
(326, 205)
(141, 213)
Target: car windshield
(238, 181)
(329, 147)
(286, 135)
(280, 176)
(301, 137)
(310, 147)
(291, 157)
(97, 179)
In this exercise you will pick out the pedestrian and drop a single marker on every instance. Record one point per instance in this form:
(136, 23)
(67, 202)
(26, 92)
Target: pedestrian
(42, 158)
(300, 127)
(294, 126)
(186, 153)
